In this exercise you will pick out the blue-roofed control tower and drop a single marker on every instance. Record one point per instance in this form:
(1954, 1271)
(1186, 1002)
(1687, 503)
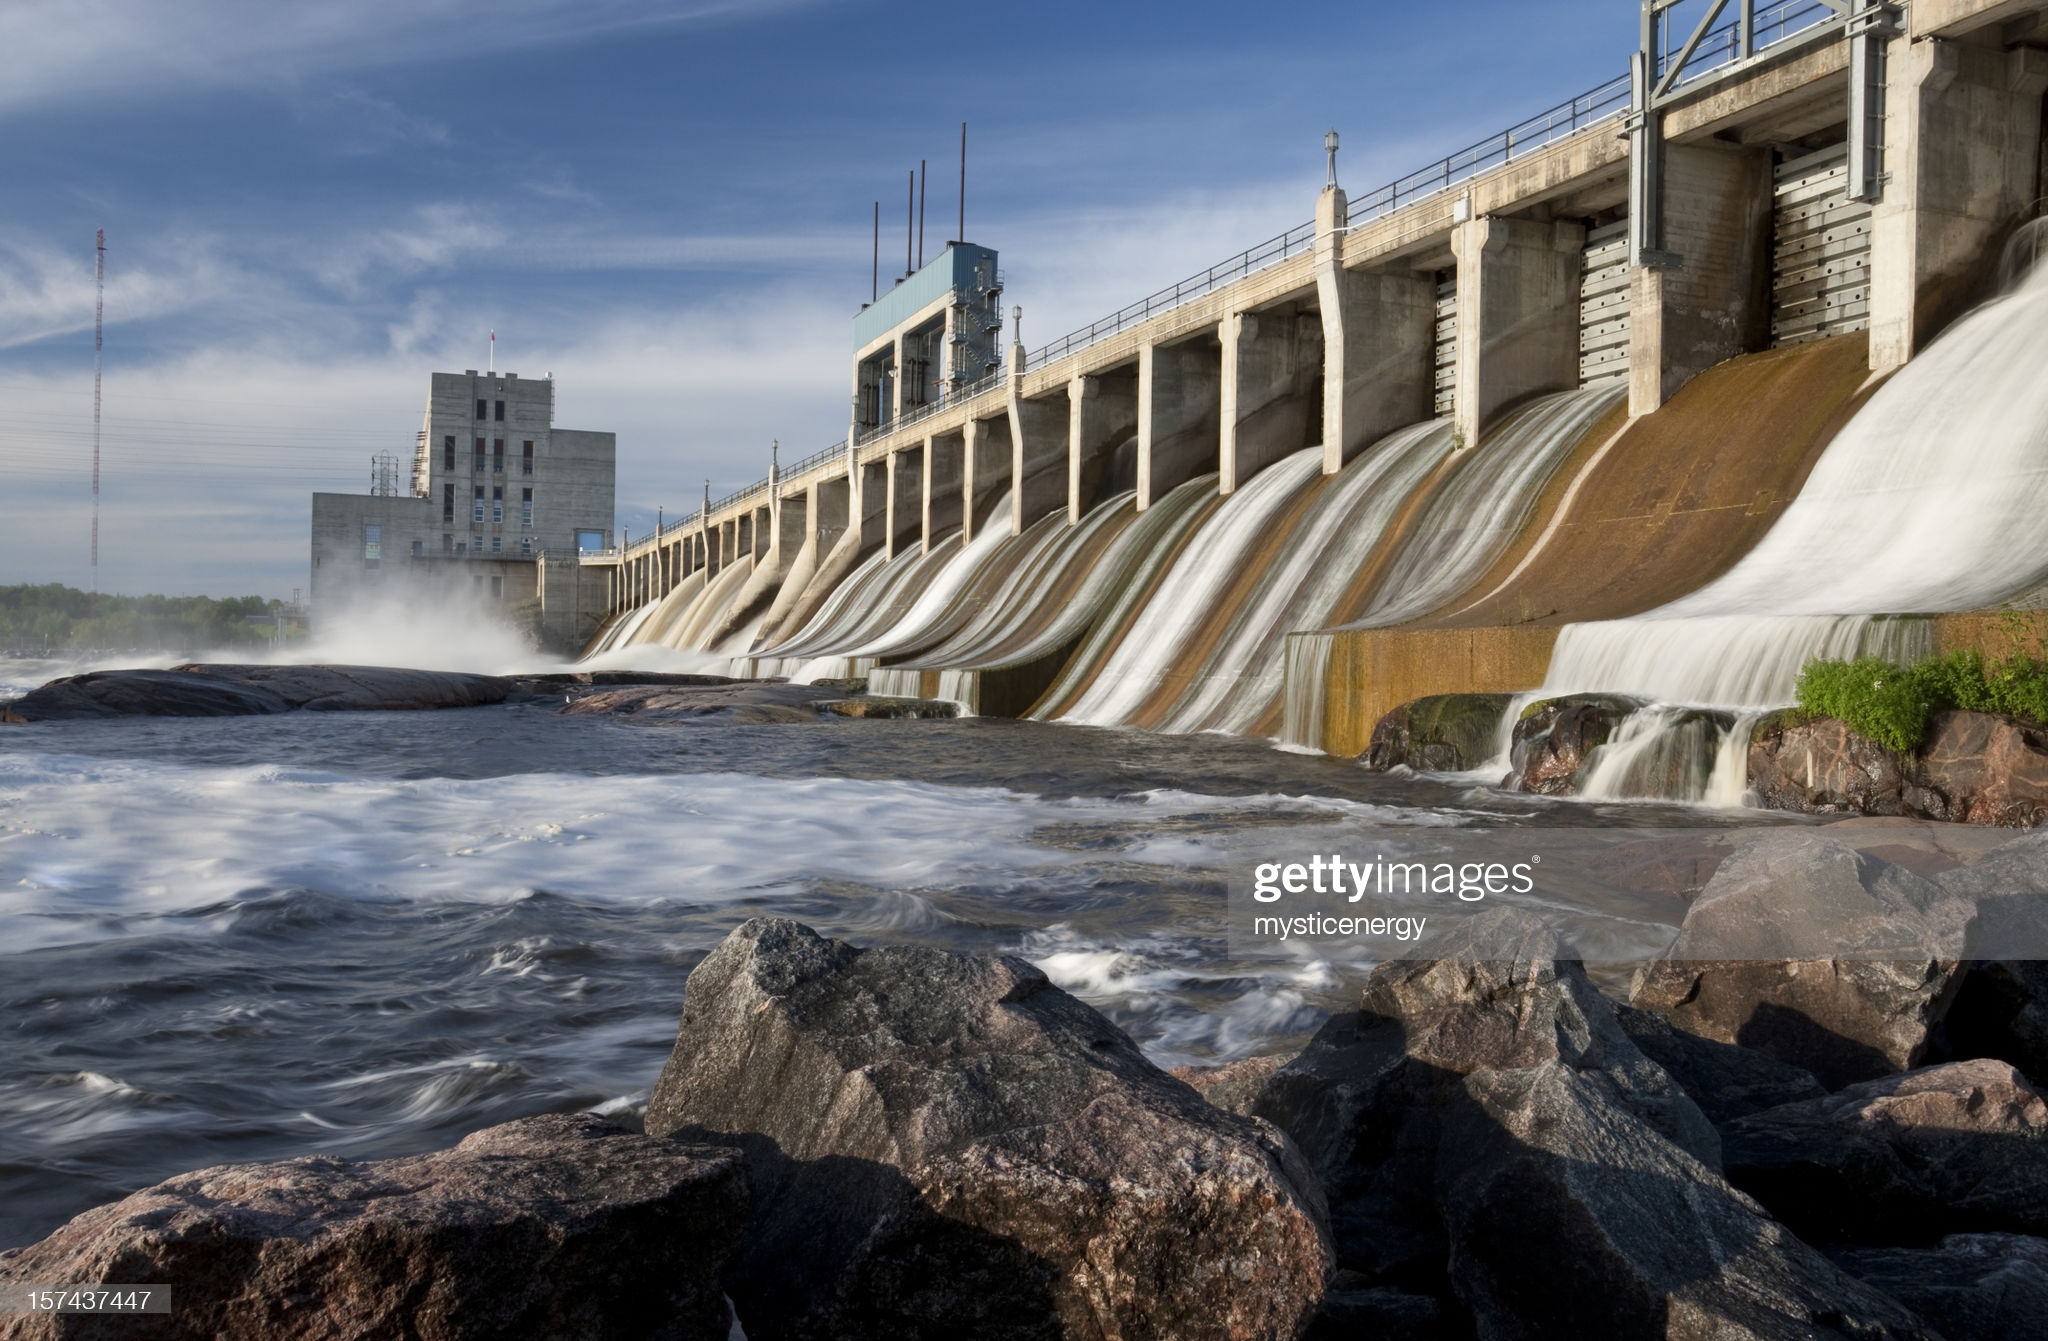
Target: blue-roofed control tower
(934, 337)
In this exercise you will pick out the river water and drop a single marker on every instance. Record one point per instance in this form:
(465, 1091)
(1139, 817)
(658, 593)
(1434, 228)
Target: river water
(369, 934)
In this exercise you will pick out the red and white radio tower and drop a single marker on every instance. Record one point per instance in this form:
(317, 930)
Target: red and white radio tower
(99, 310)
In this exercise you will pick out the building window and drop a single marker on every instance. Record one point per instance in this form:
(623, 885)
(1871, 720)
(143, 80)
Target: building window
(526, 459)
(372, 543)
(479, 456)
(447, 543)
(590, 542)
(526, 544)
(448, 452)
(497, 588)
(481, 410)
(479, 512)
(526, 507)
(500, 416)
(419, 547)
(498, 505)
(462, 548)
(497, 545)
(448, 500)
(497, 456)
(476, 583)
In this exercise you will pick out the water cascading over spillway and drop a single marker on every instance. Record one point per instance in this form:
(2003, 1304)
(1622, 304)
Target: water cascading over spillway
(1237, 684)
(1041, 604)
(1933, 498)
(1478, 502)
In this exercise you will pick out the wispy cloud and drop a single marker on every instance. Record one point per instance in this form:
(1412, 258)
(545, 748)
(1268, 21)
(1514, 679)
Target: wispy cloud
(60, 48)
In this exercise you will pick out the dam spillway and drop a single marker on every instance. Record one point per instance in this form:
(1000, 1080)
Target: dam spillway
(1571, 409)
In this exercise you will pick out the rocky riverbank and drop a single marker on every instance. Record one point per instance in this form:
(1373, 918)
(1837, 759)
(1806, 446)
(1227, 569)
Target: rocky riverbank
(1845, 1141)
(219, 690)
(1973, 768)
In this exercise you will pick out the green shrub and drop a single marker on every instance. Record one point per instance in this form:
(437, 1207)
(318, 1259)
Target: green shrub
(1874, 697)
(1890, 703)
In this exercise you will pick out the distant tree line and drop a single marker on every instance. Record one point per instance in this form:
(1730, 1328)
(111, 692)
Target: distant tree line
(53, 616)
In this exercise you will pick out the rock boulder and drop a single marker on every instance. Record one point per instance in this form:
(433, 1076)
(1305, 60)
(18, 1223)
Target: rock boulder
(1367, 1099)
(948, 1145)
(202, 690)
(1951, 1148)
(1974, 1287)
(1553, 739)
(552, 1226)
(1825, 958)
(1441, 733)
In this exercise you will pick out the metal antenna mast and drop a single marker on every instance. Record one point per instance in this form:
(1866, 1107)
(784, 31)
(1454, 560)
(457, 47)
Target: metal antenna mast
(99, 312)
(962, 237)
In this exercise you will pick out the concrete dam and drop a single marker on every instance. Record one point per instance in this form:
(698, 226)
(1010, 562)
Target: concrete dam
(1738, 359)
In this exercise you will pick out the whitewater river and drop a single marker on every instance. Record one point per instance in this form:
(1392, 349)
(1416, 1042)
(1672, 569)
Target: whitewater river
(372, 933)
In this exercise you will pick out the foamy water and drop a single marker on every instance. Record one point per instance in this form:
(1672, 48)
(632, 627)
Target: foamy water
(371, 933)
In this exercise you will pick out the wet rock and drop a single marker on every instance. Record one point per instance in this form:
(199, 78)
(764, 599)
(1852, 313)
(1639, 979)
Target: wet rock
(1569, 1217)
(1818, 766)
(1974, 1287)
(2002, 1008)
(1973, 768)
(200, 690)
(948, 1145)
(1979, 768)
(1822, 957)
(1726, 1081)
(365, 688)
(141, 693)
(1554, 737)
(569, 679)
(890, 707)
(1951, 1148)
(1441, 733)
(849, 686)
(553, 1226)
(675, 703)
(1368, 1098)
(1233, 1086)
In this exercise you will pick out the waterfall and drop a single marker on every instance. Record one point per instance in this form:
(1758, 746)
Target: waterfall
(1216, 555)
(1055, 583)
(958, 590)
(1145, 552)
(1240, 681)
(1472, 516)
(1933, 497)
(1307, 676)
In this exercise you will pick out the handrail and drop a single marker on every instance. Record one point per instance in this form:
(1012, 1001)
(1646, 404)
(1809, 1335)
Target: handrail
(1722, 46)
(1566, 119)
(978, 387)
(1270, 252)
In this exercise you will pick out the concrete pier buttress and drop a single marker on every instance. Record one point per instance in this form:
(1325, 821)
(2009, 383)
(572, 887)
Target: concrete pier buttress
(1102, 414)
(1270, 407)
(1964, 158)
(1518, 315)
(1378, 330)
(1039, 452)
(904, 525)
(1715, 303)
(984, 473)
(871, 503)
(1179, 412)
(944, 455)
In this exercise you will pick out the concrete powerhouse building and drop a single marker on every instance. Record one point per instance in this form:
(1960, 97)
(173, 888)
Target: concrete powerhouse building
(499, 505)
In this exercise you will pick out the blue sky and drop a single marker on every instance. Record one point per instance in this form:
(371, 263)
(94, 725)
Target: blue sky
(667, 205)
